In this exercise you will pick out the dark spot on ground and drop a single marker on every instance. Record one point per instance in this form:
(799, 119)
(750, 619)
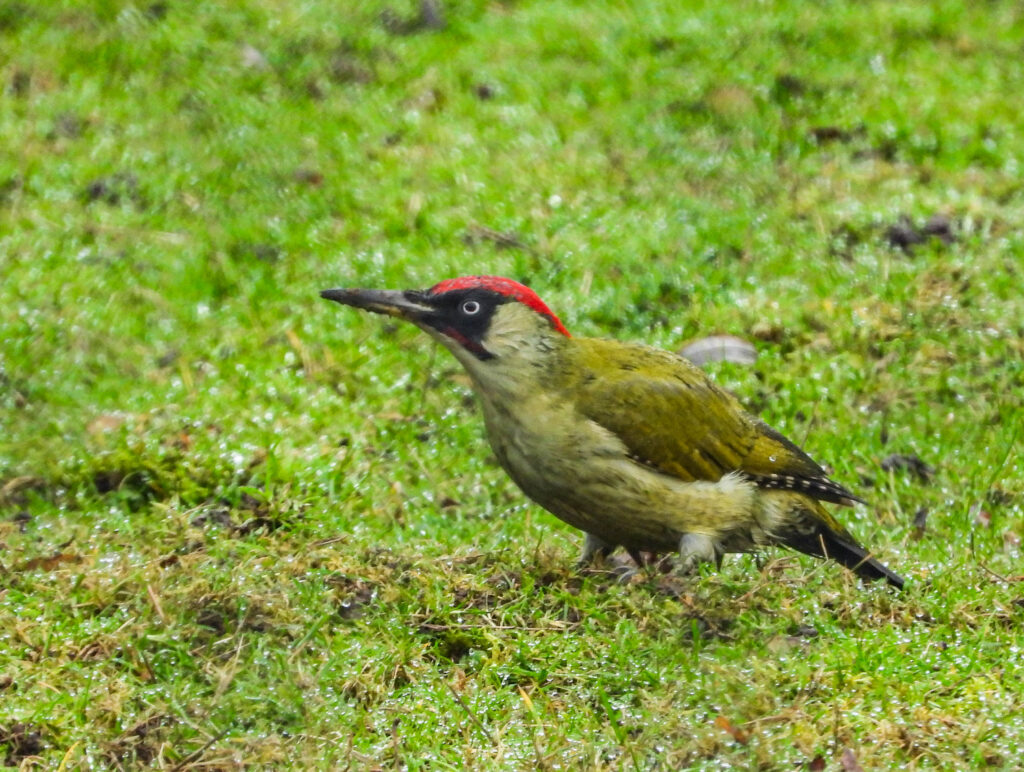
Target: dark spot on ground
(887, 150)
(384, 558)
(998, 497)
(920, 522)
(136, 485)
(220, 515)
(114, 189)
(843, 239)
(68, 126)
(452, 643)
(14, 15)
(484, 91)
(244, 251)
(22, 741)
(10, 187)
(787, 86)
(430, 17)
(22, 519)
(139, 743)
(212, 618)
(826, 134)
(911, 463)
(232, 614)
(157, 11)
(347, 66)
(107, 480)
(905, 235)
(21, 83)
(311, 177)
(168, 358)
(354, 595)
(805, 631)
(261, 515)
(662, 44)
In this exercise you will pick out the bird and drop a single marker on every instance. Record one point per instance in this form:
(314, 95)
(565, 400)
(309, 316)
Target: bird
(633, 445)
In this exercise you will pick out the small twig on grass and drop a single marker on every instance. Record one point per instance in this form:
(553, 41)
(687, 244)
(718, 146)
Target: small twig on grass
(155, 600)
(471, 714)
(555, 625)
(197, 754)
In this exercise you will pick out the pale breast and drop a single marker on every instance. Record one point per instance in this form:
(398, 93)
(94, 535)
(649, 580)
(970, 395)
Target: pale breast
(580, 473)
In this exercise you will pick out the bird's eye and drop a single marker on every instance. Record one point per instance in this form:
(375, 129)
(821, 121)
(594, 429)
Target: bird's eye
(470, 307)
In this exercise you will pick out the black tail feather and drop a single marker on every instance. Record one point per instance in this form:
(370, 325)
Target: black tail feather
(842, 549)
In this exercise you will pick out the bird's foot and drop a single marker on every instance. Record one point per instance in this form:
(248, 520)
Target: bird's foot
(694, 549)
(624, 574)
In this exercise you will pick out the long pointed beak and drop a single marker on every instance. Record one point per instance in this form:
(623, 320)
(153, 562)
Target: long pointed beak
(390, 302)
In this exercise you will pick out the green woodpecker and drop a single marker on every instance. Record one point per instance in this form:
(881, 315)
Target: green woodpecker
(634, 446)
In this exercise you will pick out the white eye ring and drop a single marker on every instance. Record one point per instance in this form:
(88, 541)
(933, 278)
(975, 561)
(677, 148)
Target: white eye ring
(470, 307)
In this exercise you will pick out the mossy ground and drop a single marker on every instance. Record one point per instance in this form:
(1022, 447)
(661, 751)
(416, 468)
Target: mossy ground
(243, 527)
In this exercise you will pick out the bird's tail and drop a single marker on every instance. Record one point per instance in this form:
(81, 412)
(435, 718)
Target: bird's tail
(822, 536)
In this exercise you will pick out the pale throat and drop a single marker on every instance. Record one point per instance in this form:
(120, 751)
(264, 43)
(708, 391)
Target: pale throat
(521, 343)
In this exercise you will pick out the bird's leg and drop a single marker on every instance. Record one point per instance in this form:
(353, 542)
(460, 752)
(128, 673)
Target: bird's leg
(638, 558)
(694, 549)
(596, 547)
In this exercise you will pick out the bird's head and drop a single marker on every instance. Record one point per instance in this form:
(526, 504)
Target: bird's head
(485, 321)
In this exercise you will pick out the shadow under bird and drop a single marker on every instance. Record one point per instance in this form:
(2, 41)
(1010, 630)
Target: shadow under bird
(633, 445)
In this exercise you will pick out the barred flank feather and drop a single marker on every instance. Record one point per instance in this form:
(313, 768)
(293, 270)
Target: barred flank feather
(820, 488)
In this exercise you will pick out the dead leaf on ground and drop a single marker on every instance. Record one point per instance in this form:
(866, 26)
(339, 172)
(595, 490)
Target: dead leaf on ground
(739, 735)
(720, 348)
(308, 176)
(503, 240)
(49, 562)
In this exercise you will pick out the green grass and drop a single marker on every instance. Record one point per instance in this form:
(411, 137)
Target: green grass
(241, 527)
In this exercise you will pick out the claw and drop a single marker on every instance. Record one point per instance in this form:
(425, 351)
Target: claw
(624, 574)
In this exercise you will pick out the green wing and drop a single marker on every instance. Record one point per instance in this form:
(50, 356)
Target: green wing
(673, 418)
